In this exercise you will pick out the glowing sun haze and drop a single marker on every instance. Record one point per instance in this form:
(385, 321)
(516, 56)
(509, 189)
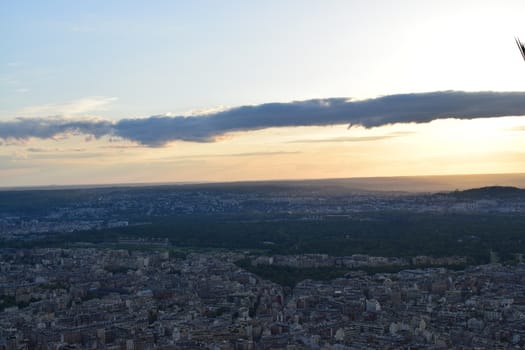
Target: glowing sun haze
(156, 91)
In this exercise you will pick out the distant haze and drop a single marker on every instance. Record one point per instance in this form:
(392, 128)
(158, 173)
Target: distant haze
(438, 183)
(435, 183)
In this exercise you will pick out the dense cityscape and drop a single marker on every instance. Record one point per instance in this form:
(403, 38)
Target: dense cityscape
(115, 268)
(29, 214)
(116, 299)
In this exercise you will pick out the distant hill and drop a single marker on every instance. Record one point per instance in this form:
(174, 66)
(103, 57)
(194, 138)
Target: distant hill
(490, 192)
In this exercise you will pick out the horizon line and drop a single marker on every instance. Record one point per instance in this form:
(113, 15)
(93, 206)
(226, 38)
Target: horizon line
(51, 187)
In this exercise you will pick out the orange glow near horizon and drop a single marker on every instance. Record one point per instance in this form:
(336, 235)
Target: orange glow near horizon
(442, 147)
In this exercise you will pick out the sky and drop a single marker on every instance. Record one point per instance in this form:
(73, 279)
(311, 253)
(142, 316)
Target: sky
(99, 92)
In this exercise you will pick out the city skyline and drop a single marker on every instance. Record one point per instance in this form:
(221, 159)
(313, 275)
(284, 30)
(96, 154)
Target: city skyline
(121, 92)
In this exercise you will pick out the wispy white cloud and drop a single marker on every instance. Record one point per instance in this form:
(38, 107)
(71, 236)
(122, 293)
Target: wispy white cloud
(51, 150)
(78, 107)
(245, 154)
(67, 155)
(206, 111)
(121, 147)
(354, 138)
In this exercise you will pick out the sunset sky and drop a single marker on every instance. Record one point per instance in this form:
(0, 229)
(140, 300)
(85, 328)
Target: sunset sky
(126, 91)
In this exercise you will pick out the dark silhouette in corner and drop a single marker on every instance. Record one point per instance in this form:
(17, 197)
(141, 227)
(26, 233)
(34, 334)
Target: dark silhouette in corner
(521, 46)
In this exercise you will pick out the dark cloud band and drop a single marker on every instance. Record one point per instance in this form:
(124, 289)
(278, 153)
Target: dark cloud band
(23, 128)
(402, 108)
